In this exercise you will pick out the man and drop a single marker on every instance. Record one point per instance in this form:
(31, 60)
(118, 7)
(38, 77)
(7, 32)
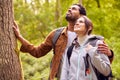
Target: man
(64, 41)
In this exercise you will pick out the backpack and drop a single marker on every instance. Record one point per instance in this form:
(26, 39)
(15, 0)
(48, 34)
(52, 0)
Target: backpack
(54, 40)
(56, 36)
(98, 74)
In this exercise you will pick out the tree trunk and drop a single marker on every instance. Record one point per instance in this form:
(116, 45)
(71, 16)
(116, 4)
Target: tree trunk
(47, 2)
(98, 3)
(10, 67)
(80, 2)
(58, 12)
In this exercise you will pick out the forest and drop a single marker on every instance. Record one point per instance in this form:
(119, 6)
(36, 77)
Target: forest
(36, 18)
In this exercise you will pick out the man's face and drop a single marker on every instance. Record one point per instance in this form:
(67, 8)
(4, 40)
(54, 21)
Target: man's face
(73, 13)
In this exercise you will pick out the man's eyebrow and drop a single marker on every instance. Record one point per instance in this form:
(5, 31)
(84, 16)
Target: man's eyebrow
(73, 7)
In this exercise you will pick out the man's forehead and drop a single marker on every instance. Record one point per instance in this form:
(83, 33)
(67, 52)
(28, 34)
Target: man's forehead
(75, 6)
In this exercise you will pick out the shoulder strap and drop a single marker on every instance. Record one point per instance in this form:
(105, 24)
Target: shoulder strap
(69, 52)
(56, 36)
(93, 41)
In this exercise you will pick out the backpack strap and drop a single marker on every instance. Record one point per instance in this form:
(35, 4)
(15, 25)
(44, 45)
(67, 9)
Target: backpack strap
(69, 52)
(56, 36)
(93, 41)
(86, 64)
(70, 48)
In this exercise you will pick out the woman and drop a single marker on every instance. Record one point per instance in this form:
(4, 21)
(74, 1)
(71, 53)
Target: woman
(76, 70)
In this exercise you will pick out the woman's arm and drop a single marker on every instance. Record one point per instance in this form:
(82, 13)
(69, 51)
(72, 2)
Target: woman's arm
(99, 60)
(103, 48)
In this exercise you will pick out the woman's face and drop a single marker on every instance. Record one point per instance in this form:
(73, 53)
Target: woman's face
(79, 26)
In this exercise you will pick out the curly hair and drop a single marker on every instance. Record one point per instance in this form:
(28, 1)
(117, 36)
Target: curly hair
(82, 10)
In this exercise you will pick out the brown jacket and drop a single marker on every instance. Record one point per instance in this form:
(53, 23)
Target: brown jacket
(46, 46)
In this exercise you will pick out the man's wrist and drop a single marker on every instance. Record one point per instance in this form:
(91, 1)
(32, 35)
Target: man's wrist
(112, 54)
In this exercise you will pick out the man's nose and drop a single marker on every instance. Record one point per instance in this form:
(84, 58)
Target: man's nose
(69, 10)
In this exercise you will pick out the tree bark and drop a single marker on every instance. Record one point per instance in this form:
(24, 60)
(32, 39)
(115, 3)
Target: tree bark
(58, 12)
(10, 67)
(98, 3)
(80, 2)
(47, 1)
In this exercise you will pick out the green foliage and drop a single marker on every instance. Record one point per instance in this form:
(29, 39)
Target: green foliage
(106, 22)
(36, 69)
(37, 18)
(114, 44)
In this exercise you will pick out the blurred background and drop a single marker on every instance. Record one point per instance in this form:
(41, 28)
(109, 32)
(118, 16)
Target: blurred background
(36, 18)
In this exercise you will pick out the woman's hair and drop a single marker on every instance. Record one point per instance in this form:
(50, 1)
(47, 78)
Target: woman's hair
(88, 24)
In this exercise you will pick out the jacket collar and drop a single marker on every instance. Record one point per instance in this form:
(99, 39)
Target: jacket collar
(88, 39)
(64, 32)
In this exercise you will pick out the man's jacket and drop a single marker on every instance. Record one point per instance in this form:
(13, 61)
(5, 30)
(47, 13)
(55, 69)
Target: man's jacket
(46, 46)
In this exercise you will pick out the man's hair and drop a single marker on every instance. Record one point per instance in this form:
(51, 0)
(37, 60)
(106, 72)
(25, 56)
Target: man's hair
(82, 10)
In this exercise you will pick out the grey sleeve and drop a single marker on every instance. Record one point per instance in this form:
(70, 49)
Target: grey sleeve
(100, 60)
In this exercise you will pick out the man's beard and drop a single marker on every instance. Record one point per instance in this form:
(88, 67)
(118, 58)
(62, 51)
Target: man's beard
(70, 18)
